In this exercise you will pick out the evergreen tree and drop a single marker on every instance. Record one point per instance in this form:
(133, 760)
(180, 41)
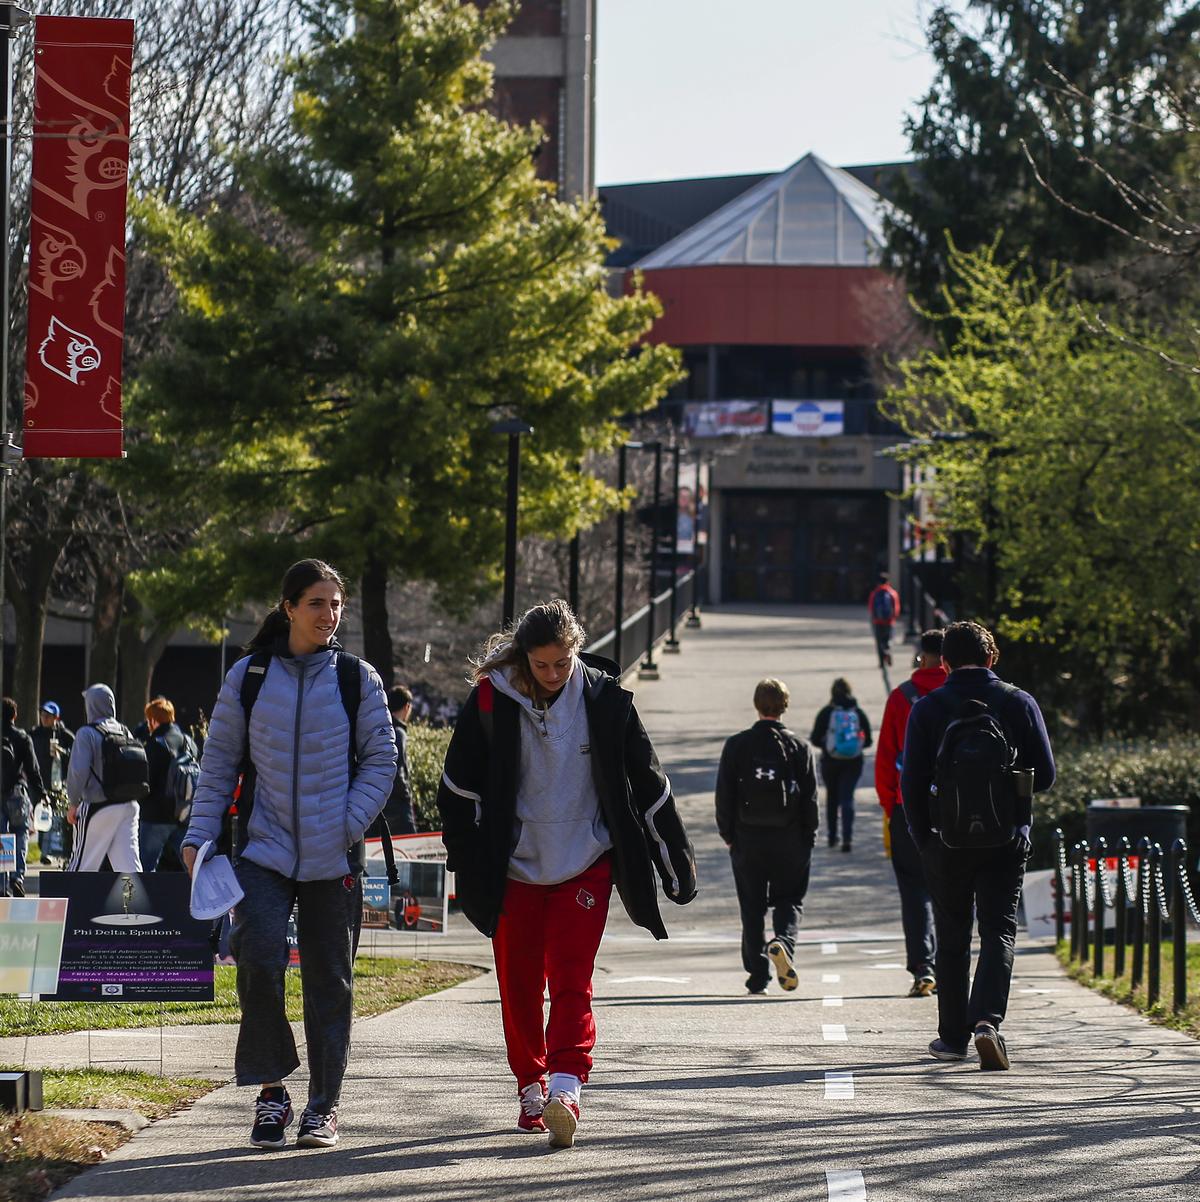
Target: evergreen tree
(401, 280)
(1033, 102)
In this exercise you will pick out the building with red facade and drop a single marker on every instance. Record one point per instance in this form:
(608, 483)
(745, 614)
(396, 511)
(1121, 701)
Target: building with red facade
(765, 292)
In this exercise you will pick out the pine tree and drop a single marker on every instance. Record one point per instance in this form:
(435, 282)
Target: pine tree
(401, 280)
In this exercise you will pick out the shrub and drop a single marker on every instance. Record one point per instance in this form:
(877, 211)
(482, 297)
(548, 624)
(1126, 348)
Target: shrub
(1160, 773)
(426, 755)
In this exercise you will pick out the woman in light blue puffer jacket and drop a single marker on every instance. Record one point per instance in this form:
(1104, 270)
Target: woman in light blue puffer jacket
(315, 793)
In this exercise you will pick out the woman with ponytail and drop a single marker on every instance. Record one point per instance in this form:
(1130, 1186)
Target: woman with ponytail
(551, 796)
(304, 729)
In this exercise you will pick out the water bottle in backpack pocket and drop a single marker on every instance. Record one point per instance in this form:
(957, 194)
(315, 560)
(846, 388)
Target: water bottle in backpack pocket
(843, 736)
(974, 796)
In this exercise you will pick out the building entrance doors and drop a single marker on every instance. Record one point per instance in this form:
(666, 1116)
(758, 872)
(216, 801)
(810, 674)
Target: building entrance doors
(802, 547)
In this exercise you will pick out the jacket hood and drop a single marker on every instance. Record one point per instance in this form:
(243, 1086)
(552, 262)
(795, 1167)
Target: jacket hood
(557, 718)
(99, 702)
(928, 679)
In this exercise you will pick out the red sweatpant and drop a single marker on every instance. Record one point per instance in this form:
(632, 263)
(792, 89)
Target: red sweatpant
(551, 933)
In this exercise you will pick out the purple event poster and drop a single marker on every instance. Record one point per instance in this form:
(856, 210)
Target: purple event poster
(130, 938)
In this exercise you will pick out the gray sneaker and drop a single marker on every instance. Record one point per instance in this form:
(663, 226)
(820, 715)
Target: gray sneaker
(940, 1050)
(993, 1051)
(785, 967)
(923, 986)
(317, 1130)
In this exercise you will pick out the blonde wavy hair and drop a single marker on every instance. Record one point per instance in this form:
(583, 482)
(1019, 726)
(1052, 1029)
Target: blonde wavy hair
(552, 622)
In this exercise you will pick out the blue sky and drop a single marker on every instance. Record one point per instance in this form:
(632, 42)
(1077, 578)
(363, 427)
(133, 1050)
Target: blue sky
(723, 87)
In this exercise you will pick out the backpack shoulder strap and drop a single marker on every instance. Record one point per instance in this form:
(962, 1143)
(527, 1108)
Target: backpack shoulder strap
(910, 692)
(349, 679)
(487, 708)
(252, 683)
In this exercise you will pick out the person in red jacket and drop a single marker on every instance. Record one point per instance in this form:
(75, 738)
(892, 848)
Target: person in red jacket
(916, 908)
(883, 608)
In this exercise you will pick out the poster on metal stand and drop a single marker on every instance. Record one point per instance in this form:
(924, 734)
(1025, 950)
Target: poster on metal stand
(421, 901)
(130, 938)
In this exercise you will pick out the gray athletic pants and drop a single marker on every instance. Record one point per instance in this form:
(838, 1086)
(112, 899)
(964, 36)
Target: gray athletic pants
(327, 921)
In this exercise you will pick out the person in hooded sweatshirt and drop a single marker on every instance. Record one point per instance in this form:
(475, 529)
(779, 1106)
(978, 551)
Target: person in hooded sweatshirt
(916, 907)
(551, 796)
(318, 786)
(843, 733)
(102, 827)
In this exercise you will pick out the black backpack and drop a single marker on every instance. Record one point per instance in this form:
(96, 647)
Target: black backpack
(767, 791)
(350, 688)
(183, 774)
(124, 770)
(974, 802)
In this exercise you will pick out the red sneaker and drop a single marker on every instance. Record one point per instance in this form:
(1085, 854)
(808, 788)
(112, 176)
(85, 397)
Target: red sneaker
(561, 1117)
(533, 1102)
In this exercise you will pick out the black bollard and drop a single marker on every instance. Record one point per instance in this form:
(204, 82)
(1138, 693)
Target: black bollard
(1060, 884)
(1081, 856)
(1121, 918)
(1179, 923)
(1139, 914)
(1100, 851)
(1154, 968)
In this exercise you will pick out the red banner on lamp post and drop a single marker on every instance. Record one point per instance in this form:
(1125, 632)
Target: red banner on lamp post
(77, 238)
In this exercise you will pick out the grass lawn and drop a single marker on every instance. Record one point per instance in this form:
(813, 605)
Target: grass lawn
(1120, 989)
(38, 1153)
(380, 984)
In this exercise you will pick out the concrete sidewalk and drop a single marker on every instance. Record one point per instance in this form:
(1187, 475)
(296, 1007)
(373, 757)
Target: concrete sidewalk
(699, 1091)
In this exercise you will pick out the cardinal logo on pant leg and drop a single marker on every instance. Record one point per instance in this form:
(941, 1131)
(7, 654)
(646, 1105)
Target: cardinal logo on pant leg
(585, 899)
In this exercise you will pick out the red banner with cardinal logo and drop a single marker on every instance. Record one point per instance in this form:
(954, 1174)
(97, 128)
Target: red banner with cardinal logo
(77, 238)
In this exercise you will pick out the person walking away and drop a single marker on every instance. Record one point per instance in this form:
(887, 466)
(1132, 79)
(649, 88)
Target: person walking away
(916, 908)
(400, 813)
(842, 732)
(172, 759)
(551, 795)
(52, 743)
(107, 779)
(975, 752)
(21, 786)
(883, 608)
(305, 728)
(767, 816)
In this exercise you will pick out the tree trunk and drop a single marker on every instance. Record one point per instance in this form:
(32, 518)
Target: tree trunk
(142, 641)
(377, 639)
(29, 610)
(106, 620)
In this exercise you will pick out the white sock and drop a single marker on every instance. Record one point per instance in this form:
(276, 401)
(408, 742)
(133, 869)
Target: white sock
(566, 1083)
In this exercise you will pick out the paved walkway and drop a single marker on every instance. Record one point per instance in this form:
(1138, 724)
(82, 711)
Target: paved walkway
(700, 1091)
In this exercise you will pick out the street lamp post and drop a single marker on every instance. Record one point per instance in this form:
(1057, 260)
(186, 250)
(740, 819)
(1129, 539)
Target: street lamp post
(514, 427)
(619, 600)
(649, 669)
(671, 646)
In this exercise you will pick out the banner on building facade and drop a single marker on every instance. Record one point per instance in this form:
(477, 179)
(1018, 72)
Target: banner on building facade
(808, 419)
(715, 419)
(77, 238)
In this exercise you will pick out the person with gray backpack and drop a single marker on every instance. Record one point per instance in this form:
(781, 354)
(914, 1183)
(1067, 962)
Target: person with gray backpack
(842, 732)
(975, 753)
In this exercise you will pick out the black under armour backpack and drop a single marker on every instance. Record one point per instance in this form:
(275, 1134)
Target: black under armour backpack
(766, 786)
(974, 802)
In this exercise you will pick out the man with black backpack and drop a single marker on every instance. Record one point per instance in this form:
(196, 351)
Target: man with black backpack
(106, 779)
(975, 752)
(174, 770)
(767, 815)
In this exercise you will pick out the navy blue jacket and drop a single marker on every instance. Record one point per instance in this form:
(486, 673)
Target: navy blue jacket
(1017, 713)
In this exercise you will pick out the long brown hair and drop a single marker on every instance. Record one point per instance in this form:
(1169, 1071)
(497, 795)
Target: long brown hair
(552, 622)
(296, 580)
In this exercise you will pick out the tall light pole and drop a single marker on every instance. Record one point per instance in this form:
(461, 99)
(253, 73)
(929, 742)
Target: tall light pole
(514, 427)
(649, 669)
(619, 599)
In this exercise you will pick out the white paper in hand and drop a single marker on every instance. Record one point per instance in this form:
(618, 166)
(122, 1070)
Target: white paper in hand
(215, 890)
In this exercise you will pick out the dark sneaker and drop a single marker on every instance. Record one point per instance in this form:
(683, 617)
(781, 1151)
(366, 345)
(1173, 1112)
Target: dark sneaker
(785, 968)
(833, 840)
(940, 1050)
(317, 1130)
(845, 847)
(923, 986)
(561, 1117)
(993, 1051)
(533, 1102)
(272, 1118)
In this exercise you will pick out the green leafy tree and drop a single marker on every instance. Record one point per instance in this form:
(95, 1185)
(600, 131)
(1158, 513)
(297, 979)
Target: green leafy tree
(401, 280)
(1069, 460)
(1033, 104)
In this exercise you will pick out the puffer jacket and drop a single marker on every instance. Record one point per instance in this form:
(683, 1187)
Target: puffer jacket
(307, 812)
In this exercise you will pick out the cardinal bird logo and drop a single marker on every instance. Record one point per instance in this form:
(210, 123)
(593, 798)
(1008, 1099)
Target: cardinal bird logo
(68, 353)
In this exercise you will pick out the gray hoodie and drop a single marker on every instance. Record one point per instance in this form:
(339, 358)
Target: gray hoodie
(558, 830)
(85, 769)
